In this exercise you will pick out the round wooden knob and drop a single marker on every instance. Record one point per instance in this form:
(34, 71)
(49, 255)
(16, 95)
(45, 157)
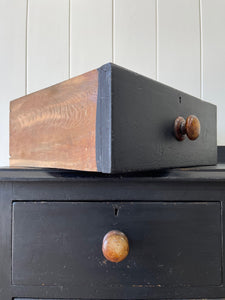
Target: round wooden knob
(115, 246)
(191, 127)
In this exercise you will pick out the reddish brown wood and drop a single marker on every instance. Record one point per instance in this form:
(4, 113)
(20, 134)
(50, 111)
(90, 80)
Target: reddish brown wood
(115, 246)
(191, 127)
(55, 127)
(178, 128)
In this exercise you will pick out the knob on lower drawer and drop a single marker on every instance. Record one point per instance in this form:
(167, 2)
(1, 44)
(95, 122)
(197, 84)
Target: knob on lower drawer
(115, 246)
(191, 127)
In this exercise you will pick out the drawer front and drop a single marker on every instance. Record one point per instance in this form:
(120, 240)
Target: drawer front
(135, 131)
(171, 244)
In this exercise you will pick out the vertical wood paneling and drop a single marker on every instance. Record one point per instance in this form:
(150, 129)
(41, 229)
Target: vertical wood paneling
(135, 35)
(12, 62)
(48, 42)
(162, 39)
(213, 35)
(91, 34)
(179, 44)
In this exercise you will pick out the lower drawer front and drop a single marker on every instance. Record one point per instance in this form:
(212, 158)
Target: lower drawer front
(171, 244)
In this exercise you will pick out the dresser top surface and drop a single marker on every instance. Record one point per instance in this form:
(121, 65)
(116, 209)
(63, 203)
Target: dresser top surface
(206, 173)
(198, 174)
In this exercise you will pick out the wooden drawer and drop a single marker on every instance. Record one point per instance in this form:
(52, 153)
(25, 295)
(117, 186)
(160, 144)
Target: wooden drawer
(172, 245)
(110, 120)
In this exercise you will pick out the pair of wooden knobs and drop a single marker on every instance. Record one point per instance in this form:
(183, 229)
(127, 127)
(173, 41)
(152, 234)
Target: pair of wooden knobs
(191, 127)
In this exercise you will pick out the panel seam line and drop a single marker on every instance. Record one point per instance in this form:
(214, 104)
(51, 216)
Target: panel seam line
(69, 40)
(201, 49)
(156, 39)
(26, 49)
(113, 31)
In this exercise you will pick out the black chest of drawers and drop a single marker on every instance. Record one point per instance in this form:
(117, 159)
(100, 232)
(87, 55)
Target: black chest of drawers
(52, 224)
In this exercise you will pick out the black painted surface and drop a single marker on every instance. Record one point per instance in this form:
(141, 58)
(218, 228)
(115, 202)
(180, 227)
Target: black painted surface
(104, 120)
(135, 122)
(193, 216)
(59, 243)
(220, 154)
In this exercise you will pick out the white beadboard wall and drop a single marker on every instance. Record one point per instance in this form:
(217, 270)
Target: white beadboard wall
(178, 42)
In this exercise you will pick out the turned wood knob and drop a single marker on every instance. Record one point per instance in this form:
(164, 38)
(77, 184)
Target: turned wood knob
(191, 127)
(115, 246)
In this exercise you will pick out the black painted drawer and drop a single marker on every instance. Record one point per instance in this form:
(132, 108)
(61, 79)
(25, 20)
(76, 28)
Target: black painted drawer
(110, 120)
(171, 244)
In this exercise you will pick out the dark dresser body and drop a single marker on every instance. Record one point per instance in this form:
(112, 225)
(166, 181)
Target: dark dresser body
(52, 223)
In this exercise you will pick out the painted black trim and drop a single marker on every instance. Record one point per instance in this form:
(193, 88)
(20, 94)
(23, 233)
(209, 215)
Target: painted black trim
(221, 154)
(103, 119)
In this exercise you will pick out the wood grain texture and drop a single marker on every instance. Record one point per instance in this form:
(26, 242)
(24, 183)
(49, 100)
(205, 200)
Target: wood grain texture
(55, 127)
(115, 246)
(190, 127)
(103, 121)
